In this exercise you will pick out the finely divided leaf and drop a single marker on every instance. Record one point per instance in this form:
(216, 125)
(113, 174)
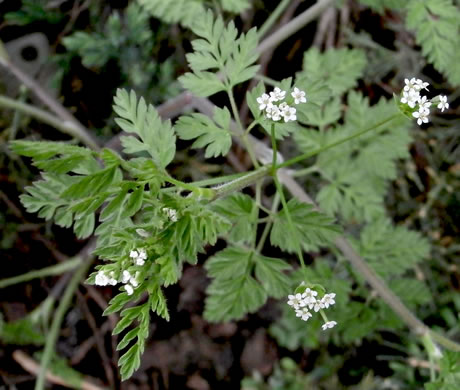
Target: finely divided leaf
(238, 209)
(234, 292)
(214, 135)
(157, 137)
(311, 228)
(219, 50)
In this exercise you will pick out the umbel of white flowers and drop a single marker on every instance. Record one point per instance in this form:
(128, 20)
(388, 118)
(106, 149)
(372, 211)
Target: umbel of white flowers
(308, 301)
(128, 278)
(274, 106)
(411, 96)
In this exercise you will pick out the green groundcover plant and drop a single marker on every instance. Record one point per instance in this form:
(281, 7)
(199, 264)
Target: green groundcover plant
(148, 223)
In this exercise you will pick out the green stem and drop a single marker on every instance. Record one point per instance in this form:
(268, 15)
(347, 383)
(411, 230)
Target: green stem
(336, 143)
(274, 150)
(241, 129)
(250, 127)
(279, 190)
(273, 17)
(267, 80)
(255, 212)
(57, 321)
(56, 269)
(181, 184)
(218, 180)
(444, 341)
(63, 126)
(268, 225)
(242, 182)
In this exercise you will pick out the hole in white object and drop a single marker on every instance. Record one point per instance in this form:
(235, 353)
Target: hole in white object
(29, 53)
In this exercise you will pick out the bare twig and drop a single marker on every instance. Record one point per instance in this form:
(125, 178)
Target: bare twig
(31, 366)
(54, 105)
(294, 25)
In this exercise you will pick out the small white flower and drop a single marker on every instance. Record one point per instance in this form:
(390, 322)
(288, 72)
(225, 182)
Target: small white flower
(421, 115)
(424, 104)
(133, 254)
(317, 305)
(133, 280)
(410, 97)
(328, 300)
(411, 84)
(420, 84)
(289, 114)
(443, 105)
(299, 96)
(310, 295)
(113, 281)
(296, 301)
(264, 101)
(304, 313)
(126, 276)
(129, 289)
(329, 324)
(273, 113)
(143, 233)
(139, 261)
(101, 279)
(170, 213)
(277, 95)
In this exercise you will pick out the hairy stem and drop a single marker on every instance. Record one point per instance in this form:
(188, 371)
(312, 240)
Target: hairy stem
(304, 156)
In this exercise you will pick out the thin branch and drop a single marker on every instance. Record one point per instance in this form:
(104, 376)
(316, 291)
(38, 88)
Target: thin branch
(53, 104)
(56, 269)
(66, 127)
(294, 25)
(64, 304)
(30, 365)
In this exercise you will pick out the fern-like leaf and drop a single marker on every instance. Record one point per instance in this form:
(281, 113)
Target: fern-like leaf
(157, 137)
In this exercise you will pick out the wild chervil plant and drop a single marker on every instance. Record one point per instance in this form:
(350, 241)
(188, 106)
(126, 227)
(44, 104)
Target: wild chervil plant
(149, 223)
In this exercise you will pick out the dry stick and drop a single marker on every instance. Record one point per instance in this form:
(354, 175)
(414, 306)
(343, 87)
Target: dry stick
(66, 127)
(53, 104)
(294, 25)
(30, 365)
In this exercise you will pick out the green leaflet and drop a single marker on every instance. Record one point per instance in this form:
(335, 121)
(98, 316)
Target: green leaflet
(130, 360)
(157, 137)
(381, 5)
(186, 12)
(391, 250)
(338, 69)
(312, 229)
(437, 27)
(357, 171)
(214, 135)
(238, 209)
(219, 49)
(233, 291)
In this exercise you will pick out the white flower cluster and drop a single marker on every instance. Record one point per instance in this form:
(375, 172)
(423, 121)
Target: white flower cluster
(130, 280)
(304, 302)
(275, 110)
(170, 213)
(411, 96)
